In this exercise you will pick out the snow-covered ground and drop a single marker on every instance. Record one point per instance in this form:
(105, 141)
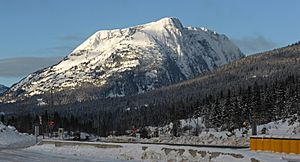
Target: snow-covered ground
(146, 152)
(11, 141)
(285, 128)
(11, 138)
(282, 128)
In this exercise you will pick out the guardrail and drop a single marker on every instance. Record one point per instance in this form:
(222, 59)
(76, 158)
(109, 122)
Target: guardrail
(106, 144)
(182, 144)
(59, 143)
(275, 144)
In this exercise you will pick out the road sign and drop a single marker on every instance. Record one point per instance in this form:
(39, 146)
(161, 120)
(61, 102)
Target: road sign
(50, 123)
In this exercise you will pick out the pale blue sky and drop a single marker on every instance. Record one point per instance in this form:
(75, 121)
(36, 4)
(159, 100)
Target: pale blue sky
(52, 28)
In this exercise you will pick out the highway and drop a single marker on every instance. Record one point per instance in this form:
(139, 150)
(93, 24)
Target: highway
(21, 155)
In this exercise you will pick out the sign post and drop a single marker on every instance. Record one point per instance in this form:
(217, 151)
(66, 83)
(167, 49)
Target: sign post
(36, 132)
(51, 125)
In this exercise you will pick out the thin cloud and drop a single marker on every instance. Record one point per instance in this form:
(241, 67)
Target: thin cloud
(22, 66)
(59, 49)
(70, 38)
(254, 44)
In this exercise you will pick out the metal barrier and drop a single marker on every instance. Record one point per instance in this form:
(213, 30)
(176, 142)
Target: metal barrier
(275, 144)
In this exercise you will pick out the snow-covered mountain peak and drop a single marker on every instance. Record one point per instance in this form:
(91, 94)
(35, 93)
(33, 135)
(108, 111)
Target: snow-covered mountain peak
(135, 59)
(153, 29)
(168, 22)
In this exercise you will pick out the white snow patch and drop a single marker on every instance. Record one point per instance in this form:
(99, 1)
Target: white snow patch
(11, 138)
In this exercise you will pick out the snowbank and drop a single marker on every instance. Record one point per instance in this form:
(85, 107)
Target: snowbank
(282, 128)
(286, 128)
(160, 153)
(11, 138)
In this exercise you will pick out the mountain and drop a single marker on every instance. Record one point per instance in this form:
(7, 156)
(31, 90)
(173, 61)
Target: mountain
(3, 89)
(264, 87)
(134, 60)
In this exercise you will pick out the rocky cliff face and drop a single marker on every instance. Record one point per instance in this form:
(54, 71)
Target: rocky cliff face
(134, 60)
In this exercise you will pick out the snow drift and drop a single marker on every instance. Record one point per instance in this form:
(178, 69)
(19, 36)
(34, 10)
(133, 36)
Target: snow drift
(11, 138)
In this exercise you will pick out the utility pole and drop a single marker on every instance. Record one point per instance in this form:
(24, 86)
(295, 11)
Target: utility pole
(98, 130)
(253, 123)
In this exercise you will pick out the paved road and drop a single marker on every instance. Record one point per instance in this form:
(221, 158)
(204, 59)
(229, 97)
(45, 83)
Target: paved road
(291, 159)
(20, 155)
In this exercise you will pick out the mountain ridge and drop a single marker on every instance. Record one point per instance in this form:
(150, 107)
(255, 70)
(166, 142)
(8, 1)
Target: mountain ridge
(134, 60)
(3, 89)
